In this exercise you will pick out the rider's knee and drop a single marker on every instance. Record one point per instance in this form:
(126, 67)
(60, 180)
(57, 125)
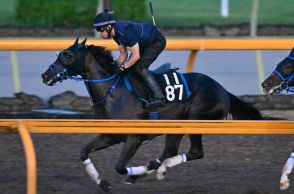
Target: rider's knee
(121, 170)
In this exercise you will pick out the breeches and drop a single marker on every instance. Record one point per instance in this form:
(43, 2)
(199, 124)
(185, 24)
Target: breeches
(149, 54)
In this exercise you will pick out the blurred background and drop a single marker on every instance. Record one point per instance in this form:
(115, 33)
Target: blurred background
(237, 71)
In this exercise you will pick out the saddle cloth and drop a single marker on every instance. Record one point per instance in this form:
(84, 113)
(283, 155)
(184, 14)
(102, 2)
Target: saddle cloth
(172, 83)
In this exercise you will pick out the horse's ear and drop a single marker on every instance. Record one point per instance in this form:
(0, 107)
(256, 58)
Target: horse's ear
(77, 41)
(83, 43)
(292, 52)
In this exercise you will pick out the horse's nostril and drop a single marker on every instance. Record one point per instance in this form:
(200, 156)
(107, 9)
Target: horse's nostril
(45, 77)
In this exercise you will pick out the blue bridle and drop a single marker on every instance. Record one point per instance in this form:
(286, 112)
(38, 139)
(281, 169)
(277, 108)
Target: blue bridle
(59, 76)
(285, 80)
(63, 76)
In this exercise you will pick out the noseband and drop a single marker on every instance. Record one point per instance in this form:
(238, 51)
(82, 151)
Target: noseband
(285, 80)
(59, 76)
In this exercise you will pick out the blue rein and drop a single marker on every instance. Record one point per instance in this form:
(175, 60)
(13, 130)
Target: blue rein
(92, 80)
(286, 80)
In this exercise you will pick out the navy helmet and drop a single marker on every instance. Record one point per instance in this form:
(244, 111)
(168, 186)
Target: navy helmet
(103, 19)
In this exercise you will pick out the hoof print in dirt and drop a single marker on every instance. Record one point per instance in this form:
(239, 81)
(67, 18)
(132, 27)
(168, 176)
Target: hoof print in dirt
(105, 186)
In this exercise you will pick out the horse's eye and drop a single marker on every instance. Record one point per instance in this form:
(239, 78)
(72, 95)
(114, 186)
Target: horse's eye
(67, 55)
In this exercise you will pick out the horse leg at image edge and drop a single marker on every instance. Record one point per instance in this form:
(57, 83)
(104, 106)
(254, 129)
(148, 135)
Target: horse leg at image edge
(195, 152)
(284, 181)
(100, 142)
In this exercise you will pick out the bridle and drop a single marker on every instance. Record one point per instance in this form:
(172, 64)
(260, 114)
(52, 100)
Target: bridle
(284, 85)
(62, 75)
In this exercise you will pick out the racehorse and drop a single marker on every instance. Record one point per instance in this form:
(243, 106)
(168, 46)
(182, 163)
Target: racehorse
(112, 100)
(282, 79)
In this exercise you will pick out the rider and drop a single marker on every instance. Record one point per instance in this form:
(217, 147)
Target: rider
(145, 43)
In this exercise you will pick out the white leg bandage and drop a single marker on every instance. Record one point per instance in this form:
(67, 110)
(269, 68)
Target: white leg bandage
(168, 163)
(285, 182)
(91, 170)
(139, 170)
(174, 161)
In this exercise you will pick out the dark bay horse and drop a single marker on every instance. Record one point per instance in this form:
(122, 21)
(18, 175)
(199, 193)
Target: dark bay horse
(282, 79)
(112, 100)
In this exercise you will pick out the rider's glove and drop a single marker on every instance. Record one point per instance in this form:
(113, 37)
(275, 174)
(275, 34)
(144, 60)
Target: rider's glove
(120, 69)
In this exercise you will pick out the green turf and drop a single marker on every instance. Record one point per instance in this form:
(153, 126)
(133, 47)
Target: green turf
(7, 12)
(196, 12)
(178, 13)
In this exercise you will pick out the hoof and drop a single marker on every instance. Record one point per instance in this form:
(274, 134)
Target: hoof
(160, 173)
(160, 176)
(284, 182)
(105, 186)
(153, 165)
(284, 185)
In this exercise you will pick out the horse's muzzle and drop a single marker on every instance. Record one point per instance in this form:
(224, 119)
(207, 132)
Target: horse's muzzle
(49, 81)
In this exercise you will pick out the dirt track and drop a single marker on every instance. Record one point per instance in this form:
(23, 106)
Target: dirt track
(248, 164)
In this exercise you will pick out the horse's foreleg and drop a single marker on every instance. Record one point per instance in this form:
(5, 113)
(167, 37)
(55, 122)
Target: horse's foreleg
(130, 147)
(169, 157)
(285, 182)
(100, 142)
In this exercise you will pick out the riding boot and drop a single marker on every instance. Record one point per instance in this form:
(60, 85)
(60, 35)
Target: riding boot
(158, 97)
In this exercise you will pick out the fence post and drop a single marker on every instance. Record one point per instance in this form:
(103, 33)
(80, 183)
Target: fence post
(15, 71)
(191, 60)
(30, 157)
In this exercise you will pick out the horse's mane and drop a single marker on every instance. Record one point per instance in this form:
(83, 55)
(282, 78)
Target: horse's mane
(103, 56)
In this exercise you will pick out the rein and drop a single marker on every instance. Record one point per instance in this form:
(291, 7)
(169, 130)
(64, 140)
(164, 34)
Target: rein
(63, 76)
(285, 80)
(109, 91)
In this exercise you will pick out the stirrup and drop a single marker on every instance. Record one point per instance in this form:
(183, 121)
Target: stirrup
(156, 103)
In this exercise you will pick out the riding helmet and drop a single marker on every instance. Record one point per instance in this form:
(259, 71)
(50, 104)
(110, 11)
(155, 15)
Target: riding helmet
(103, 19)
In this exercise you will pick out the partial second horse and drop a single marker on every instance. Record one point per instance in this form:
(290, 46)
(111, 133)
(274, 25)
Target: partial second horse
(281, 79)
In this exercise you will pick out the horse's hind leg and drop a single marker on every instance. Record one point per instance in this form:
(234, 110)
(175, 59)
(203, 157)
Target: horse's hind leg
(196, 149)
(130, 147)
(285, 182)
(172, 143)
(169, 157)
(100, 142)
(195, 152)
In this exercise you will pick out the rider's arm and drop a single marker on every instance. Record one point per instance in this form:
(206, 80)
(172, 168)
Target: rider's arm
(123, 55)
(135, 56)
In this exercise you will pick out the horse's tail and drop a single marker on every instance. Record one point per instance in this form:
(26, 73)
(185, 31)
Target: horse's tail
(241, 110)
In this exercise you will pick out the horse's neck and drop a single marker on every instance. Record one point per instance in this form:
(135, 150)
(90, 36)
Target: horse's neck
(94, 71)
(100, 95)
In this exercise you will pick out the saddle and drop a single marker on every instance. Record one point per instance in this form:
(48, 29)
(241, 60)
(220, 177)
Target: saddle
(172, 84)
